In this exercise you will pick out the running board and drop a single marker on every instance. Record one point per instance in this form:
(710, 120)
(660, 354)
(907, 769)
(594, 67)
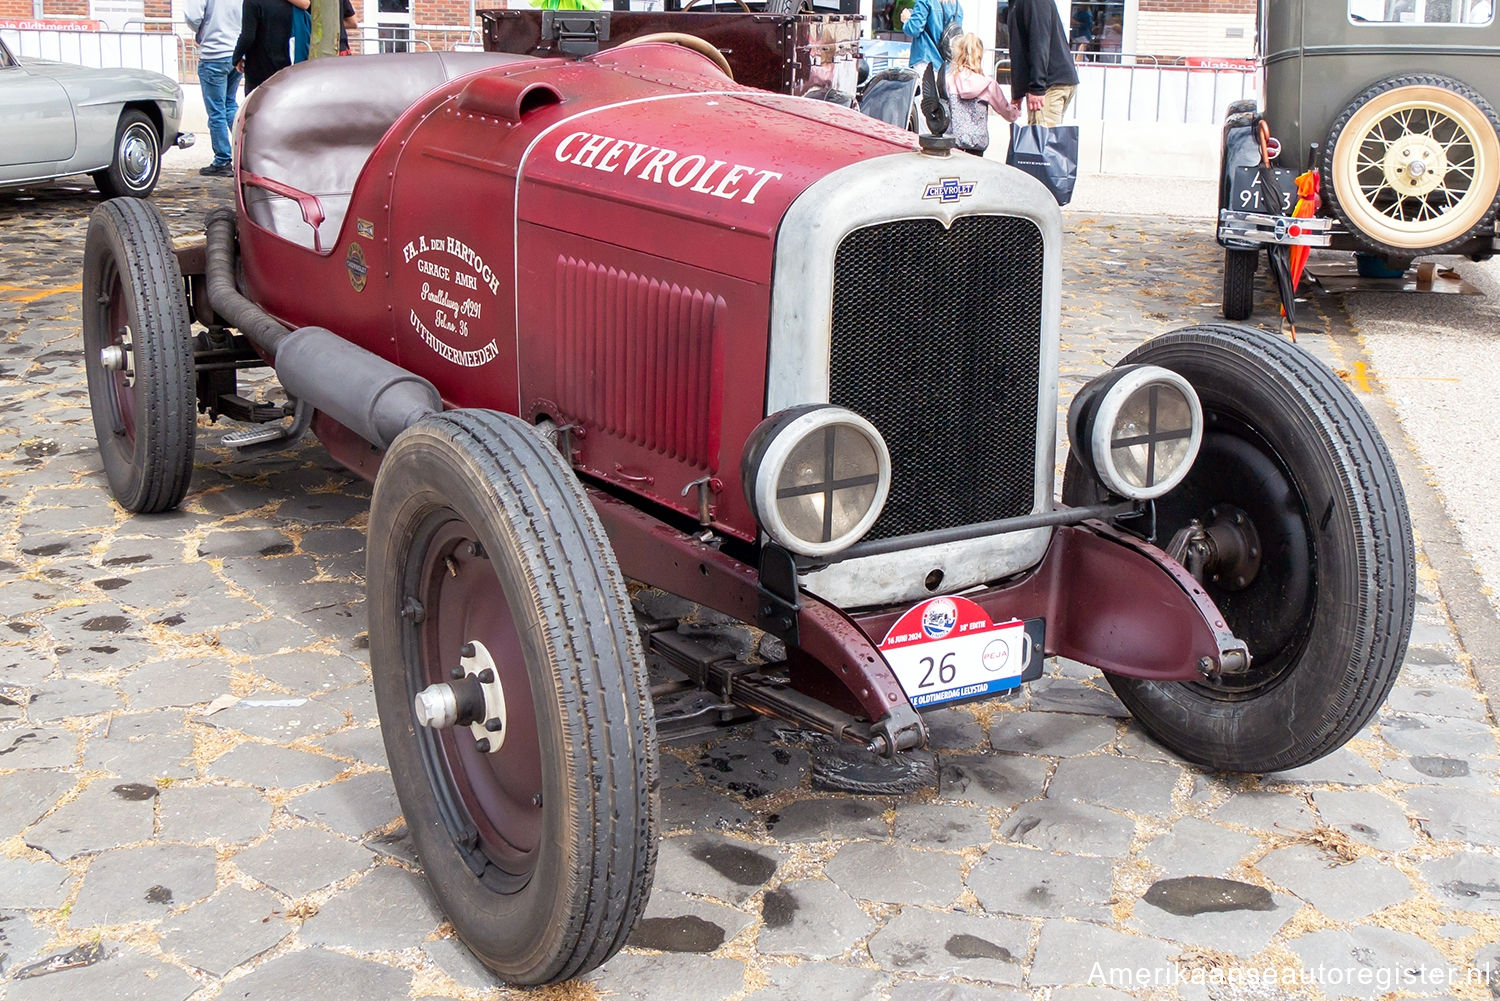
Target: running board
(265, 437)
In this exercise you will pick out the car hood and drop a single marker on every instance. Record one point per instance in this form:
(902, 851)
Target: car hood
(88, 84)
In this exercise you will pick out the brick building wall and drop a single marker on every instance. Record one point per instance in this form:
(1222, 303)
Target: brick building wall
(1222, 29)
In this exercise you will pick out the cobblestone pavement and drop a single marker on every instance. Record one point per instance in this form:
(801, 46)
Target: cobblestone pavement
(197, 804)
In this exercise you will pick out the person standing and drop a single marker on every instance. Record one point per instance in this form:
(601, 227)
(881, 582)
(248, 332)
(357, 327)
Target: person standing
(216, 27)
(924, 23)
(973, 94)
(1042, 75)
(265, 40)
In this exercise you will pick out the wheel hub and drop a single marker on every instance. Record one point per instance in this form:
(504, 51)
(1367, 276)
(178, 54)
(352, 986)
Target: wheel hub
(1415, 165)
(136, 156)
(475, 699)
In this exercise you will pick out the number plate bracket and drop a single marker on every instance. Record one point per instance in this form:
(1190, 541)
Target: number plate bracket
(947, 650)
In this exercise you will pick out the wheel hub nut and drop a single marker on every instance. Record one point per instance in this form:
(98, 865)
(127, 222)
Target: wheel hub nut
(475, 699)
(113, 357)
(1416, 168)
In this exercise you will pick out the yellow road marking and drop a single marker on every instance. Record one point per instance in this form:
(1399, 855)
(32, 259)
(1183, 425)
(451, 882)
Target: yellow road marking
(8, 292)
(1362, 378)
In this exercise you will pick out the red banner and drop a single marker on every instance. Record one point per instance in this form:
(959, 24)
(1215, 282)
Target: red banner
(21, 25)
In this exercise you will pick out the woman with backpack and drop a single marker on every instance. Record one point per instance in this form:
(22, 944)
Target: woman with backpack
(931, 25)
(972, 95)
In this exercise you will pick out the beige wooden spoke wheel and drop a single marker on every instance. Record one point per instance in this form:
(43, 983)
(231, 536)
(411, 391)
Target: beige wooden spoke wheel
(1414, 165)
(698, 45)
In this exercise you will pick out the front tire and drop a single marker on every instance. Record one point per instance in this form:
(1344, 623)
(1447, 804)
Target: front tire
(1326, 603)
(136, 164)
(135, 314)
(541, 852)
(1239, 283)
(1414, 165)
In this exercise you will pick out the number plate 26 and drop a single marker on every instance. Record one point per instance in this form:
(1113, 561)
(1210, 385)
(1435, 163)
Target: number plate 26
(947, 650)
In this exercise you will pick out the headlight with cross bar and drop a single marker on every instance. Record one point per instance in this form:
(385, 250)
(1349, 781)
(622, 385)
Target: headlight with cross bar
(816, 477)
(1138, 429)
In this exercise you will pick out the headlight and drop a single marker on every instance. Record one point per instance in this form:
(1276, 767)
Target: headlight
(816, 478)
(1139, 428)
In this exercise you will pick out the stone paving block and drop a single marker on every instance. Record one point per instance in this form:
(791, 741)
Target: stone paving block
(825, 981)
(360, 743)
(228, 814)
(122, 975)
(1439, 770)
(953, 944)
(953, 730)
(355, 704)
(1367, 962)
(1455, 815)
(110, 654)
(1064, 695)
(1452, 737)
(698, 808)
(394, 843)
(354, 806)
(1075, 828)
(348, 543)
(232, 927)
(207, 613)
(225, 544)
(1266, 811)
(1024, 881)
(822, 819)
(325, 508)
(106, 815)
(287, 977)
(267, 766)
(452, 957)
(939, 825)
(27, 795)
(675, 922)
(269, 635)
(33, 883)
(1001, 780)
(896, 875)
(175, 683)
(310, 673)
(632, 976)
(1134, 743)
(1088, 955)
(387, 910)
(847, 768)
(1344, 892)
(811, 918)
(142, 747)
(1143, 787)
(299, 860)
(278, 717)
(37, 747)
(1196, 847)
(932, 990)
(1213, 913)
(1342, 767)
(1053, 734)
(1436, 700)
(1468, 881)
(60, 698)
(269, 579)
(1366, 816)
(142, 884)
(754, 769)
(21, 940)
(716, 866)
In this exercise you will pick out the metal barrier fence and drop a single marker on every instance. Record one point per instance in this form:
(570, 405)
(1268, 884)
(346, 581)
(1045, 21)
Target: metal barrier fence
(149, 50)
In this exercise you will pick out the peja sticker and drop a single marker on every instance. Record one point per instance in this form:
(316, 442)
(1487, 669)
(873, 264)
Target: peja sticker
(354, 263)
(454, 278)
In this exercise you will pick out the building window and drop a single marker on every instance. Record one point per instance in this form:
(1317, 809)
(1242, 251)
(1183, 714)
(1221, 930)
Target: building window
(1465, 12)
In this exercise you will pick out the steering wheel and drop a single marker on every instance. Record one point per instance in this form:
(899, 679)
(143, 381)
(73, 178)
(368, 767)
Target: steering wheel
(693, 3)
(698, 45)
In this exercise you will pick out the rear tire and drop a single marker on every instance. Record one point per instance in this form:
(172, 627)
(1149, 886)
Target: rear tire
(1239, 283)
(1328, 609)
(541, 852)
(136, 164)
(134, 306)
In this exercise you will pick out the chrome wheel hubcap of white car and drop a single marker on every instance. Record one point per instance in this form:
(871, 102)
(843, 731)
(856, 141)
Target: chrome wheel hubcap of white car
(138, 155)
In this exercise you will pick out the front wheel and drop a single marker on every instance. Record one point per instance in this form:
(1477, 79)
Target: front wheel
(135, 166)
(1314, 564)
(512, 695)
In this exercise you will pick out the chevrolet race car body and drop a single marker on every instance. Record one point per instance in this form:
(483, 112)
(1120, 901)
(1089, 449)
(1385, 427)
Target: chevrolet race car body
(620, 317)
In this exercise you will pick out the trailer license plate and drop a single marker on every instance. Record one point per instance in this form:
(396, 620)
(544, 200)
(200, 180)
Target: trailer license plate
(1248, 194)
(947, 650)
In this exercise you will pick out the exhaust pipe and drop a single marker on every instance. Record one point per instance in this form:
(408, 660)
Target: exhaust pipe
(374, 398)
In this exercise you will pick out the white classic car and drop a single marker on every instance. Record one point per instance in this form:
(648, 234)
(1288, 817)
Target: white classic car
(58, 119)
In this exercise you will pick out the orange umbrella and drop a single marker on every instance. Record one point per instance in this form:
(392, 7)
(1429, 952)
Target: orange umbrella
(1309, 200)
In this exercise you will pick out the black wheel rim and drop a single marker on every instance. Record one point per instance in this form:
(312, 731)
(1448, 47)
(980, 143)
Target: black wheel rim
(1274, 612)
(490, 802)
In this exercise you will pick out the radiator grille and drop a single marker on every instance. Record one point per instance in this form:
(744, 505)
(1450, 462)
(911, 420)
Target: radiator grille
(641, 359)
(937, 340)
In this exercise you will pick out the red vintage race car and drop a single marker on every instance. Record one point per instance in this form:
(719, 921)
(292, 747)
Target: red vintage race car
(584, 321)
